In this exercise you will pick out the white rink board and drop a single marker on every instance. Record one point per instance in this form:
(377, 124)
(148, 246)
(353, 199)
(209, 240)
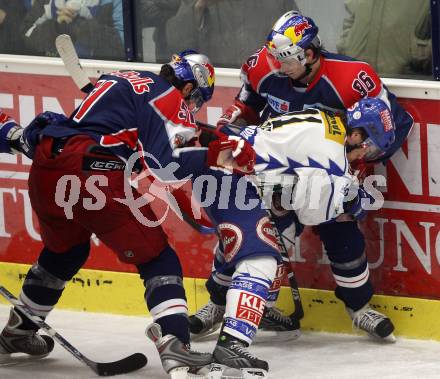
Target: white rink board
(315, 355)
(404, 88)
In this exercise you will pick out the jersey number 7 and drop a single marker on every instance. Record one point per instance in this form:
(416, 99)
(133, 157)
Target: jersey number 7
(101, 88)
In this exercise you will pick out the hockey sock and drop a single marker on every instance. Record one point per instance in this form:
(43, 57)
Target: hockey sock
(46, 279)
(246, 297)
(165, 295)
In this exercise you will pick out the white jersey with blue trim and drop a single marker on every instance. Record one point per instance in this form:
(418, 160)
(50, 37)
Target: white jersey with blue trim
(305, 151)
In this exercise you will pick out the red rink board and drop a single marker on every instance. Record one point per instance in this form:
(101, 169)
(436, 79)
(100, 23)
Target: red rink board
(403, 238)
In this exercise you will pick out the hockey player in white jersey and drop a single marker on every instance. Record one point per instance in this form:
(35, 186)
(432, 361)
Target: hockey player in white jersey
(308, 153)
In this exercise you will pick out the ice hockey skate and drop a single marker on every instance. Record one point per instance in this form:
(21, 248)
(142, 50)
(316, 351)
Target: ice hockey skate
(374, 323)
(178, 360)
(276, 325)
(232, 360)
(14, 339)
(206, 321)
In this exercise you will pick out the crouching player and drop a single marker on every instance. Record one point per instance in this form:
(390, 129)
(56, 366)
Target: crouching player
(299, 145)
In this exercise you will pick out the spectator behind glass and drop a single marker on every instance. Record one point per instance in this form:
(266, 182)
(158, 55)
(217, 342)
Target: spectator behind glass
(12, 13)
(179, 31)
(231, 29)
(421, 43)
(153, 15)
(380, 32)
(94, 25)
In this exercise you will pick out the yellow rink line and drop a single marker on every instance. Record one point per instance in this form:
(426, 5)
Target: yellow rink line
(123, 293)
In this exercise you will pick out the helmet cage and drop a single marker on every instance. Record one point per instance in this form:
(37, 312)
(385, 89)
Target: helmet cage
(291, 35)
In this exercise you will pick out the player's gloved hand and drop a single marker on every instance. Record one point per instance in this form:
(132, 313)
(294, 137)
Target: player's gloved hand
(361, 169)
(237, 111)
(31, 134)
(356, 208)
(233, 153)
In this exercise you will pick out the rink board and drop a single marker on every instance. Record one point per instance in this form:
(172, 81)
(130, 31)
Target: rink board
(122, 293)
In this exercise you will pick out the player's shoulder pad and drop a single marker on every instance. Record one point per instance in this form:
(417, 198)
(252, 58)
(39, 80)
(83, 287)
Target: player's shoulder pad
(171, 108)
(351, 79)
(256, 69)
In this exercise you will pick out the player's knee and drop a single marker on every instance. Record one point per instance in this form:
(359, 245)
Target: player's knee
(64, 265)
(349, 244)
(166, 263)
(263, 267)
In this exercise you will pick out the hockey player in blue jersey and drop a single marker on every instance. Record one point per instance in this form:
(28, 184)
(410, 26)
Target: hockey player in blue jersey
(127, 114)
(290, 73)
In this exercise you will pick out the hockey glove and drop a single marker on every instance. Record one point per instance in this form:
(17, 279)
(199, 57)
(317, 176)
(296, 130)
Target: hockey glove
(233, 153)
(237, 111)
(15, 139)
(31, 134)
(11, 136)
(8, 127)
(356, 208)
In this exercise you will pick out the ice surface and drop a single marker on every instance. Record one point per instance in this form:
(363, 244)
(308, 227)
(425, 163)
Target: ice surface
(103, 337)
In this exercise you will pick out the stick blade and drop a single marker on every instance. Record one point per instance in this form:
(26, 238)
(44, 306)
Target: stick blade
(123, 366)
(67, 52)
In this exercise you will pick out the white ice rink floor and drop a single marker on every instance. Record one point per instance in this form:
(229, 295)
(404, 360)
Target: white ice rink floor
(315, 355)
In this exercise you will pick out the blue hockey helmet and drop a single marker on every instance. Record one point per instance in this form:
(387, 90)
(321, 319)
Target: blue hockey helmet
(291, 35)
(190, 66)
(374, 117)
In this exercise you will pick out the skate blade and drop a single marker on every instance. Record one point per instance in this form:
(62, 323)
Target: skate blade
(271, 336)
(19, 359)
(179, 373)
(219, 371)
(183, 373)
(391, 338)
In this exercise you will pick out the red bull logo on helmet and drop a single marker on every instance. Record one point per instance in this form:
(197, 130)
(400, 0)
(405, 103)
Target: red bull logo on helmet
(296, 31)
(211, 77)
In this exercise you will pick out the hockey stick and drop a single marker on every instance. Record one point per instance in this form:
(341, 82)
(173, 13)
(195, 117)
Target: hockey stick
(128, 364)
(298, 312)
(67, 52)
(235, 128)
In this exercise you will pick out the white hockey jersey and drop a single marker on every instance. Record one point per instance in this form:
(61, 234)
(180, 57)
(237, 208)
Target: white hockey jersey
(304, 153)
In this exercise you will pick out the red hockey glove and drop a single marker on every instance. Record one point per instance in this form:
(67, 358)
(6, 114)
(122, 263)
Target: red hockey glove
(236, 111)
(233, 153)
(361, 169)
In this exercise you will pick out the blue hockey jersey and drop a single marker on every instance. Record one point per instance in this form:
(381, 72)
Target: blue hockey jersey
(340, 82)
(137, 112)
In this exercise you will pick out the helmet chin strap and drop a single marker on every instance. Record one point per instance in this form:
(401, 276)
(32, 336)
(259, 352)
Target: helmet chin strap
(308, 69)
